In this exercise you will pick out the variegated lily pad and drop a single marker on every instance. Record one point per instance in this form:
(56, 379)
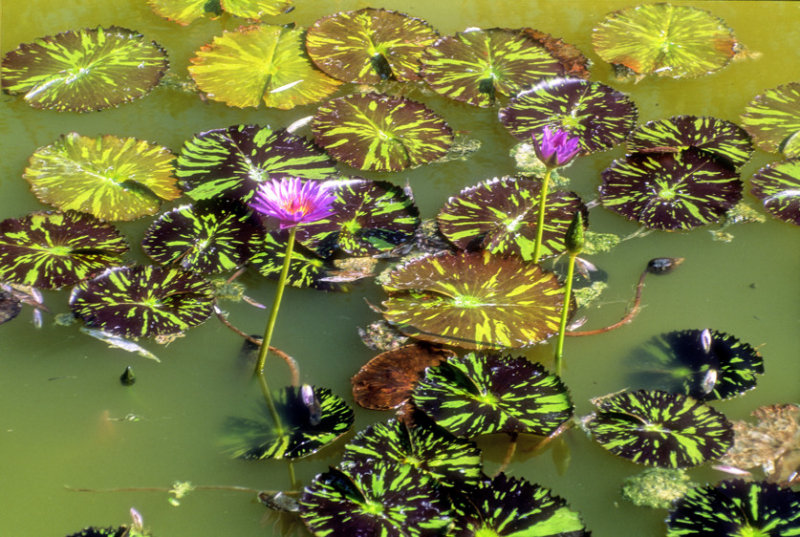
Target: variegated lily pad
(143, 301)
(661, 429)
(388, 500)
(598, 115)
(500, 215)
(773, 119)
(426, 447)
(306, 269)
(369, 45)
(574, 62)
(307, 426)
(710, 136)
(477, 66)
(778, 187)
(187, 11)
(10, 305)
(49, 250)
(208, 237)
(478, 394)
(474, 300)
(509, 506)
(232, 162)
(367, 218)
(255, 9)
(670, 191)
(665, 39)
(379, 132)
(260, 63)
(109, 177)
(705, 364)
(84, 70)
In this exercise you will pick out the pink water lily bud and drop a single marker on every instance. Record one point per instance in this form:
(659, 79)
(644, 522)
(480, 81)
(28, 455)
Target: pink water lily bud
(292, 201)
(557, 149)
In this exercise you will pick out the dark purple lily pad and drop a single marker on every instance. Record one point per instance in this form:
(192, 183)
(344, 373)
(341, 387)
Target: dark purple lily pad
(474, 300)
(369, 45)
(710, 136)
(500, 215)
(367, 218)
(600, 116)
(49, 250)
(670, 191)
(478, 394)
(305, 270)
(84, 70)
(379, 132)
(773, 119)
(661, 429)
(232, 162)
(143, 301)
(207, 237)
(778, 187)
(476, 66)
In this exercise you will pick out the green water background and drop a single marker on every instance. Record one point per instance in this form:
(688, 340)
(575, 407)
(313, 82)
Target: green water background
(58, 388)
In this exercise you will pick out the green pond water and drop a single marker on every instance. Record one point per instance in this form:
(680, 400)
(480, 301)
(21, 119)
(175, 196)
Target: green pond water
(63, 408)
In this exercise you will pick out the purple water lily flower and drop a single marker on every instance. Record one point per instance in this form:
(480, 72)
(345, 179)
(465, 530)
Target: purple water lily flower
(293, 202)
(557, 149)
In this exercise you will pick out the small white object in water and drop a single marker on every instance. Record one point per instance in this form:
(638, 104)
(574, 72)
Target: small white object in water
(705, 340)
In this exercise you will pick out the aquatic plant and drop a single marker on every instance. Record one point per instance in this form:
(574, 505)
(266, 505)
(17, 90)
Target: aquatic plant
(777, 185)
(773, 119)
(306, 268)
(185, 12)
(574, 244)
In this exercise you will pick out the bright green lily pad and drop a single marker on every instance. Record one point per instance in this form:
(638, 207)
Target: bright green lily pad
(661, 429)
(777, 185)
(665, 40)
(307, 427)
(380, 132)
(183, 11)
(500, 215)
(477, 66)
(773, 119)
(109, 177)
(84, 70)
(49, 250)
(260, 63)
(369, 45)
(474, 300)
(255, 9)
(478, 394)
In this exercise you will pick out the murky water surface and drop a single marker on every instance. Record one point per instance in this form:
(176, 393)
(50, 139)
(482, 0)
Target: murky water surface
(63, 420)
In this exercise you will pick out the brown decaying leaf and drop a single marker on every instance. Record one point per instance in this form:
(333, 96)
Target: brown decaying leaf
(386, 381)
(568, 55)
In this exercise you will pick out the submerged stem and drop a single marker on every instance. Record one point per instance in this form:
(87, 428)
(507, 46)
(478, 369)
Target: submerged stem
(540, 219)
(562, 327)
(276, 304)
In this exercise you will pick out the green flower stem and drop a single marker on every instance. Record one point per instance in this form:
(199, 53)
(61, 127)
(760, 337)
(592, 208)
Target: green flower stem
(540, 219)
(562, 327)
(262, 380)
(276, 304)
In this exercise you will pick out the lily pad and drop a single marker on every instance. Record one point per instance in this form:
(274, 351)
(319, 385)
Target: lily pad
(49, 250)
(598, 115)
(474, 300)
(500, 215)
(304, 430)
(705, 364)
(84, 70)
(256, 9)
(427, 448)
(386, 381)
(232, 162)
(476, 66)
(773, 119)
(367, 218)
(777, 185)
(389, 500)
(670, 191)
(305, 270)
(184, 12)
(710, 136)
(379, 132)
(574, 62)
(657, 428)
(665, 40)
(264, 62)
(95, 531)
(369, 45)
(478, 394)
(208, 237)
(143, 301)
(112, 178)
(736, 509)
(510, 506)
(10, 306)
